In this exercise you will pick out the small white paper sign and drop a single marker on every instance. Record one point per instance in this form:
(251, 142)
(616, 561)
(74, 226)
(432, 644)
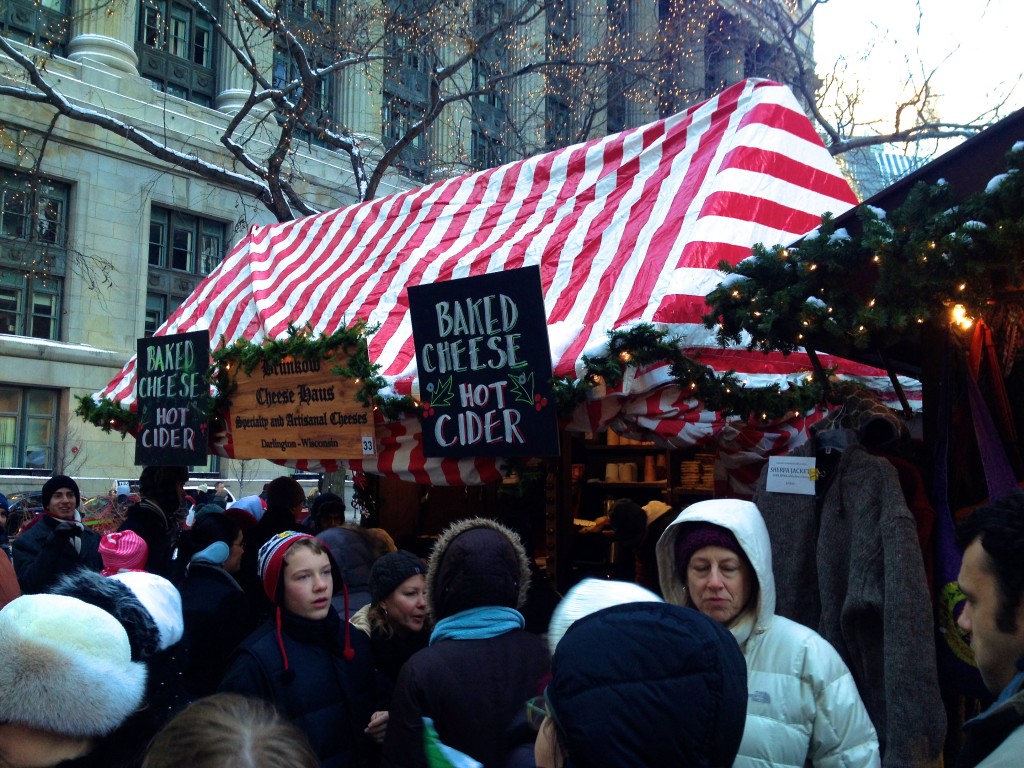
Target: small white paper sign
(791, 474)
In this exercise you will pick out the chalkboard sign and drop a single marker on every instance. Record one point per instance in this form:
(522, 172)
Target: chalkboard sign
(173, 394)
(484, 366)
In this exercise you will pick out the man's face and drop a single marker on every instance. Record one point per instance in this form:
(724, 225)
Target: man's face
(995, 651)
(62, 504)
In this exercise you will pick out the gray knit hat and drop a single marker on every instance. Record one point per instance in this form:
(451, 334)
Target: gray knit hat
(388, 573)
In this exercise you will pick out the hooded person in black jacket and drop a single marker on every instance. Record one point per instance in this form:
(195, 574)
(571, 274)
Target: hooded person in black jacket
(217, 613)
(481, 665)
(155, 517)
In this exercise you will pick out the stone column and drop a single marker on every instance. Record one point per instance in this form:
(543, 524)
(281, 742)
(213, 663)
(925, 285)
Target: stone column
(105, 37)
(645, 29)
(235, 81)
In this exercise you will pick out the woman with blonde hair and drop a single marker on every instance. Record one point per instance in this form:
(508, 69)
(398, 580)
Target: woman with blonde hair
(395, 620)
(230, 731)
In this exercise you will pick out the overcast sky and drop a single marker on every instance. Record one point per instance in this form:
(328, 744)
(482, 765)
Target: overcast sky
(976, 45)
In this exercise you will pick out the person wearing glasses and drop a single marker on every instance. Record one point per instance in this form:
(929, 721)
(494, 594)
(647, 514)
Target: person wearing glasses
(643, 684)
(804, 706)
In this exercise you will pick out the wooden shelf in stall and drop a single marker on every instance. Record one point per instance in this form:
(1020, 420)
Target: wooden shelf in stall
(627, 485)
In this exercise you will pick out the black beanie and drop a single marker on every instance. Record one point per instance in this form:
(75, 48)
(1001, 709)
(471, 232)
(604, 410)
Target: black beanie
(57, 482)
(388, 573)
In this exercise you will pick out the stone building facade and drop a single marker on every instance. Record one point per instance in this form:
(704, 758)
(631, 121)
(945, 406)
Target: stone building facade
(101, 239)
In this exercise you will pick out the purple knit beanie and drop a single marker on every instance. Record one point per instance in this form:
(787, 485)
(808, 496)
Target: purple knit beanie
(694, 536)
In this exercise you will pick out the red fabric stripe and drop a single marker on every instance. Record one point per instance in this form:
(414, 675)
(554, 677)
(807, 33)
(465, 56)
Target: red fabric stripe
(593, 240)
(756, 160)
(689, 189)
(783, 118)
(759, 210)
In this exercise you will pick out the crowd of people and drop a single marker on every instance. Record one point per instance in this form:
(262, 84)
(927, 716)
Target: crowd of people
(238, 636)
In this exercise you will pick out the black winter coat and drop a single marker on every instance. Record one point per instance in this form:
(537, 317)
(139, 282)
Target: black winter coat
(475, 691)
(217, 619)
(329, 698)
(41, 557)
(150, 522)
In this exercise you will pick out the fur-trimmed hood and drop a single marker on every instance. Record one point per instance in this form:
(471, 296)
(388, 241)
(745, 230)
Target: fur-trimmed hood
(477, 562)
(151, 628)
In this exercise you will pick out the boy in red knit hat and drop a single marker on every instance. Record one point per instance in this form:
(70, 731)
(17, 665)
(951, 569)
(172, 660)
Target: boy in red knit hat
(305, 660)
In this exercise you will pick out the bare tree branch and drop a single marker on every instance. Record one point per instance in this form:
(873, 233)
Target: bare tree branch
(468, 65)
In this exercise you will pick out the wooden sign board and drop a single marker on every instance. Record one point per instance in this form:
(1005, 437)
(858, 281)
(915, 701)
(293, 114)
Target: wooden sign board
(299, 409)
(173, 391)
(484, 365)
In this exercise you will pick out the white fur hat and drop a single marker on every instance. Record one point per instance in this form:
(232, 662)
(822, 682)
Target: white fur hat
(592, 595)
(67, 667)
(163, 601)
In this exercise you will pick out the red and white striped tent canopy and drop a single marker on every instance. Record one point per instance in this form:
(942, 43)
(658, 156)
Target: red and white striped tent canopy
(626, 229)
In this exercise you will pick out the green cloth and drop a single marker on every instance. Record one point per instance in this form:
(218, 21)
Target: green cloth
(440, 755)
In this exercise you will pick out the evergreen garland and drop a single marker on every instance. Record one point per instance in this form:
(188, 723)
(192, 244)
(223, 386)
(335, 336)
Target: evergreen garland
(644, 344)
(107, 414)
(300, 344)
(364, 498)
(908, 267)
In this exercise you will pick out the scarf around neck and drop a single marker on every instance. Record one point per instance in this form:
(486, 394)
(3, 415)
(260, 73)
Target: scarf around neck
(478, 624)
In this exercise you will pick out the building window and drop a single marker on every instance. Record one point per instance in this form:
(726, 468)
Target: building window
(488, 92)
(183, 248)
(489, 13)
(33, 258)
(297, 11)
(557, 123)
(28, 427)
(408, 86)
(29, 306)
(723, 54)
(321, 107)
(184, 242)
(488, 151)
(42, 24)
(398, 117)
(175, 49)
(156, 313)
(32, 210)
